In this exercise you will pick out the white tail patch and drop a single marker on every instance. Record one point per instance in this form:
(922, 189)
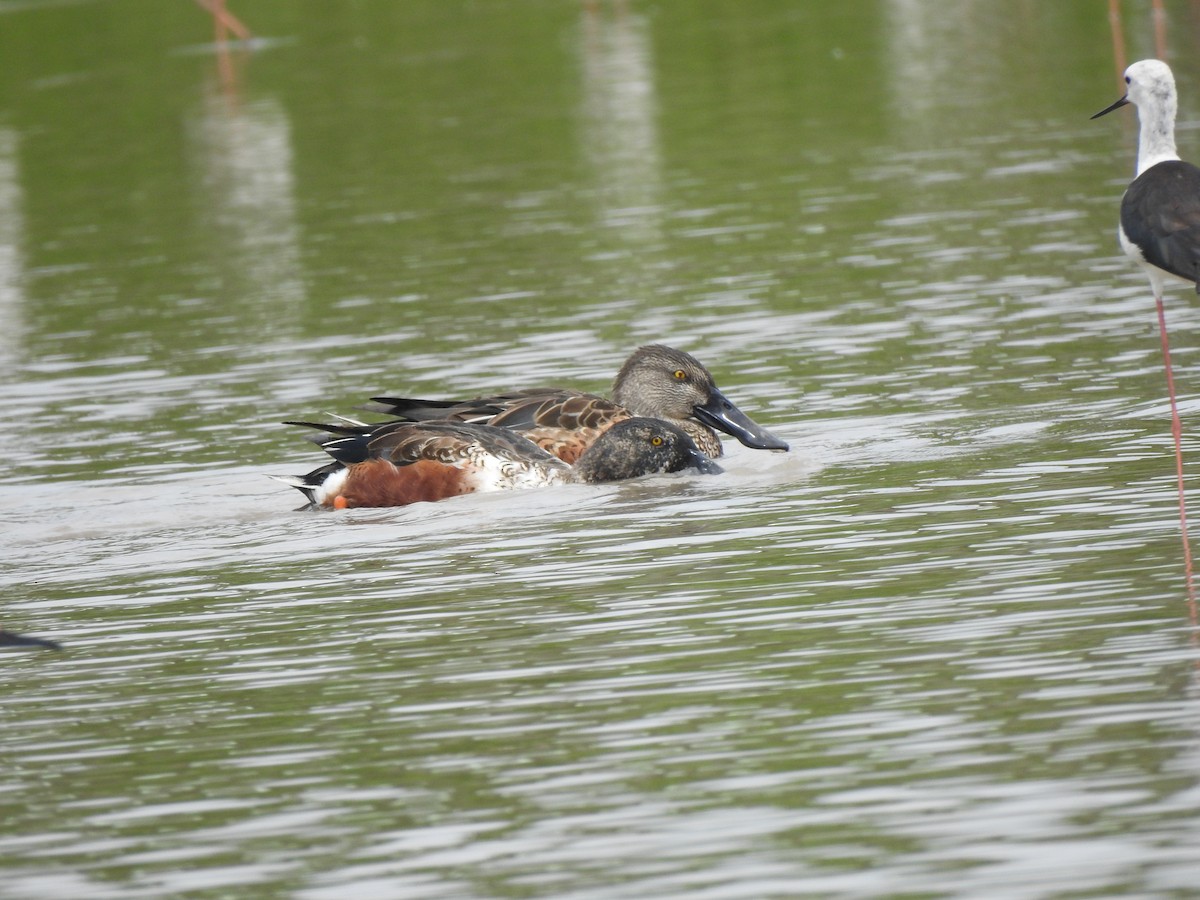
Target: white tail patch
(296, 481)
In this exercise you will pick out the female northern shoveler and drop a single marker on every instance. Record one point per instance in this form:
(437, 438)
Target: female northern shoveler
(656, 382)
(398, 463)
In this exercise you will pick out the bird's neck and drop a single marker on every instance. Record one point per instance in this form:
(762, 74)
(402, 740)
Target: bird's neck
(1156, 143)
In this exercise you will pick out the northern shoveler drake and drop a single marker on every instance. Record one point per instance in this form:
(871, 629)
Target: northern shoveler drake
(657, 382)
(398, 463)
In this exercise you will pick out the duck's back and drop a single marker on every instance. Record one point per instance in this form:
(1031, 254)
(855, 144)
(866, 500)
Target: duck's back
(406, 462)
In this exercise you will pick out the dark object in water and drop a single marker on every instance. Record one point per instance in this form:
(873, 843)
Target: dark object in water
(12, 639)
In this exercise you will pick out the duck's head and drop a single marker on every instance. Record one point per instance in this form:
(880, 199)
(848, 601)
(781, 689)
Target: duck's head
(665, 383)
(641, 446)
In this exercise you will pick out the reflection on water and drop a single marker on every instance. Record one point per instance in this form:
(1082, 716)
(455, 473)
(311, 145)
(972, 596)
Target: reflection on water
(620, 142)
(246, 192)
(11, 265)
(939, 648)
(620, 131)
(937, 59)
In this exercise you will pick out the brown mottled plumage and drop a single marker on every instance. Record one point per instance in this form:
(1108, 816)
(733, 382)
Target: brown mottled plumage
(656, 382)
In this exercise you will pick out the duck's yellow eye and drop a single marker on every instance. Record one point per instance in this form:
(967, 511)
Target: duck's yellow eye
(680, 374)
(656, 441)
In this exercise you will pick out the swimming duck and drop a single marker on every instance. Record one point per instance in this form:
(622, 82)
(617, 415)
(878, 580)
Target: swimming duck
(398, 463)
(656, 382)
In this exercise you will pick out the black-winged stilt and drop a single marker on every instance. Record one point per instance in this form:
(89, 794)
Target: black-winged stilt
(1160, 221)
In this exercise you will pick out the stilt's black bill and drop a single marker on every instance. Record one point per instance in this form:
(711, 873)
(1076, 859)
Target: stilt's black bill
(1109, 109)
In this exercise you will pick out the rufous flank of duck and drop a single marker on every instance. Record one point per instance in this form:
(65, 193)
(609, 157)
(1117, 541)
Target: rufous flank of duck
(400, 463)
(656, 382)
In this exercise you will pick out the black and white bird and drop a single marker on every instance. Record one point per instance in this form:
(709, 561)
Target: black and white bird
(1160, 220)
(1160, 212)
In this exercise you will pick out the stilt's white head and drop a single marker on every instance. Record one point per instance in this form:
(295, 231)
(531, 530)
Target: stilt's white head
(1152, 91)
